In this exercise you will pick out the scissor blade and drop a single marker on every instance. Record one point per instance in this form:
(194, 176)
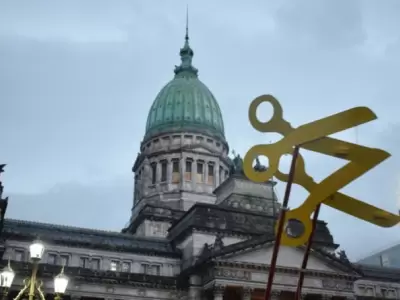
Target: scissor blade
(341, 149)
(330, 125)
(362, 210)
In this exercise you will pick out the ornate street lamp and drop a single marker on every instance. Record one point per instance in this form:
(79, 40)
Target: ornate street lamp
(60, 284)
(6, 278)
(32, 284)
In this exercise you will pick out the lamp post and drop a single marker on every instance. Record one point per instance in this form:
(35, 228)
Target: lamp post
(3, 203)
(32, 284)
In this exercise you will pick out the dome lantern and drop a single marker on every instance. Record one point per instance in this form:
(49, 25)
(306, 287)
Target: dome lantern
(185, 104)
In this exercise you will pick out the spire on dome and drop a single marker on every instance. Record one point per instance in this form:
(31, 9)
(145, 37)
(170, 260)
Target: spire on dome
(186, 54)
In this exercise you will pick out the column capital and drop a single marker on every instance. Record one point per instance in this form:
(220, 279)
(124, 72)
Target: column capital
(218, 291)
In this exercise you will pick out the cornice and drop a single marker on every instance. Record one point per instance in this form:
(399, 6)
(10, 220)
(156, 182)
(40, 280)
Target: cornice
(82, 275)
(286, 270)
(98, 246)
(184, 149)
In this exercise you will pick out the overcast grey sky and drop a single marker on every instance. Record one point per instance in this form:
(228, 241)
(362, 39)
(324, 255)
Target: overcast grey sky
(77, 79)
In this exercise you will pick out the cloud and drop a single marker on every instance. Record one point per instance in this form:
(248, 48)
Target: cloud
(323, 24)
(106, 204)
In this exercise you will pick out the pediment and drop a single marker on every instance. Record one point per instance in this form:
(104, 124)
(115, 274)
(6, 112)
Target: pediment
(289, 257)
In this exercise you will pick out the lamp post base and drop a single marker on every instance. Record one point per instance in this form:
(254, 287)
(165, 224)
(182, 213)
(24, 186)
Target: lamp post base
(57, 297)
(4, 293)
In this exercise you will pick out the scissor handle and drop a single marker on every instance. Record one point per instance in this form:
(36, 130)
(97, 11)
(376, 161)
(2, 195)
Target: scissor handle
(301, 238)
(272, 152)
(276, 123)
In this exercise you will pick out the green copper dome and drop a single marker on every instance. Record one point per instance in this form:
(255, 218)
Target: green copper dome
(185, 103)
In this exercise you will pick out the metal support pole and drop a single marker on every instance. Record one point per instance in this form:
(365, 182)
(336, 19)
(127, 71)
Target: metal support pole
(32, 285)
(33, 280)
(307, 253)
(281, 224)
(57, 297)
(4, 293)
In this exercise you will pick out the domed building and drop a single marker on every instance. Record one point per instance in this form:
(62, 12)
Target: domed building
(199, 228)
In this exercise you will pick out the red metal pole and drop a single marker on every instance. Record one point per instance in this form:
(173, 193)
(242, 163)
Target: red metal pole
(281, 224)
(307, 254)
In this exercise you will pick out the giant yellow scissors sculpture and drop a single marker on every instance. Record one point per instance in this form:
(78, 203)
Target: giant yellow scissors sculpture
(313, 136)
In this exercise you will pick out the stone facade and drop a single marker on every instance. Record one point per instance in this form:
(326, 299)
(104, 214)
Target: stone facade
(211, 251)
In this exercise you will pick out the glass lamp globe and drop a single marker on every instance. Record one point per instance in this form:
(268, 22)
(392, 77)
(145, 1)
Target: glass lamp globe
(36, 250)
(60, 283)
(6, 277)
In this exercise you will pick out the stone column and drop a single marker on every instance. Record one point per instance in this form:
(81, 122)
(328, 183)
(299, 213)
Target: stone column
(221, 175)
(275, 295)
(219, 292)
(303, 296)
(216, 173)
(146, 175)
(194, 171)
(158, 173)
(169, 171)
(205, 171)
(182, 165)
(194, 288)
(246, 294)
(194, 293)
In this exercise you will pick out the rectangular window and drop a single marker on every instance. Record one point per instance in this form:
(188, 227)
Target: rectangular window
(64, 260)
(51, 258)
(175, 171)
(221, 174)
(210, 178)
(188, 170)
(151, 269)
(153, 173)
(144, 268)
(84, 262)
(155, 270)
(164, 171)
(95, 264)
(226, 175)
(19, 255)
(126, 267)
(114, 265)
(200, 174)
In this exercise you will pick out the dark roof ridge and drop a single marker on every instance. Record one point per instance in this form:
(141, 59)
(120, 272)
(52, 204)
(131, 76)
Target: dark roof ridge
(9, 221)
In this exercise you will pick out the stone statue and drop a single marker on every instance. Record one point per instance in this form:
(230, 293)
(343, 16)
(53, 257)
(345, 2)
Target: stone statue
(237, 166)
(1, 185)
(259, 167)
(343, 256)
